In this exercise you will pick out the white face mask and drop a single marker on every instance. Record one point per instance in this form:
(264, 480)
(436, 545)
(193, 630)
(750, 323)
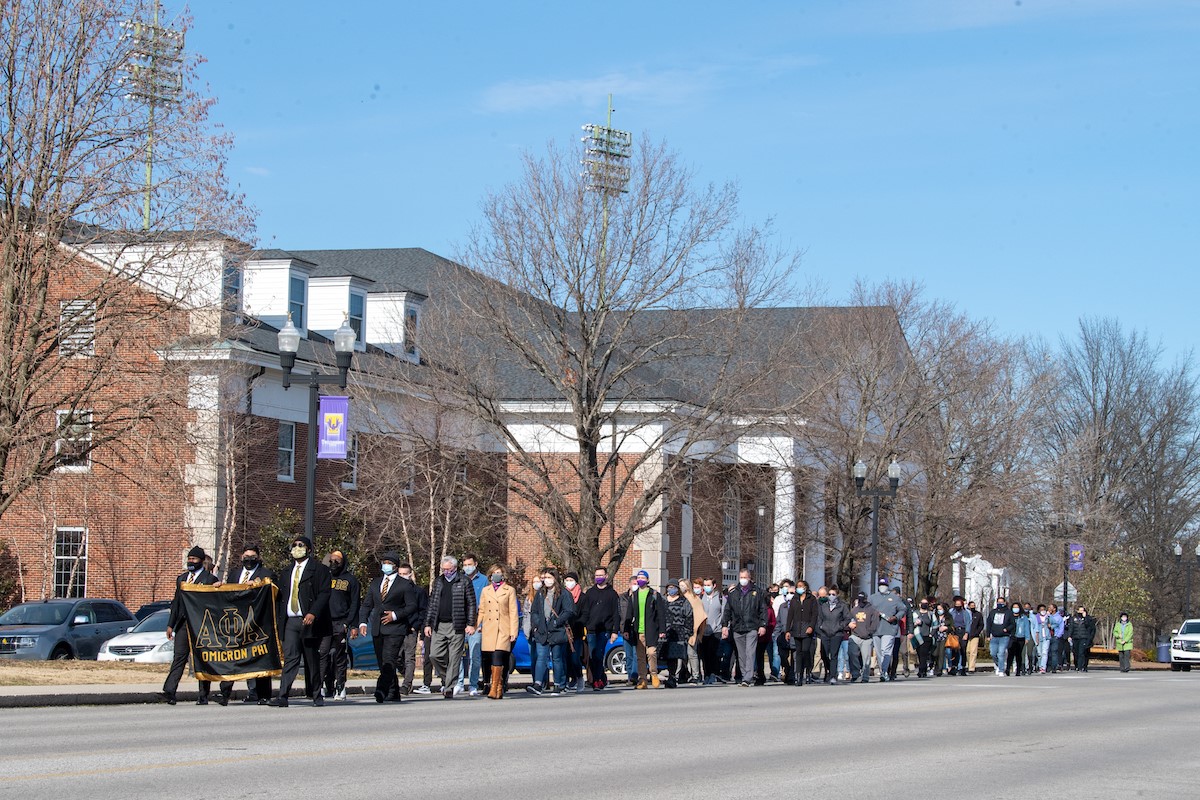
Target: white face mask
(537, 583)
(744, 581)
(698, 589)
(568, 583)
(469, 569)
(548, 583)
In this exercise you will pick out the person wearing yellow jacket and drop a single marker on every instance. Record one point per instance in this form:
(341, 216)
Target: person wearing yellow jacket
(497, 618)
(1123, 640)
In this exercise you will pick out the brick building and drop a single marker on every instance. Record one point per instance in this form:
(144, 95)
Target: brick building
(217, 465)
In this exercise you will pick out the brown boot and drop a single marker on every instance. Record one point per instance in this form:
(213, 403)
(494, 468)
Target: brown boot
(496, 692)
(655, 681)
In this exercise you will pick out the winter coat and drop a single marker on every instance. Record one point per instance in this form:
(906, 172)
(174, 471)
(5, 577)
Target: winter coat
(1123, 636)
(1001, 622)
(699, 618)
(656, 624)
(833, 620)
(802, 621)
(463, 607)
(551, 628)
(498, 619)
(599, 610)
(1082, 629)
(745, 612)
(679, 620)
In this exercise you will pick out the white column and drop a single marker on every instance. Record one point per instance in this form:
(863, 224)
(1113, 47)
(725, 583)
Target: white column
(784, 561)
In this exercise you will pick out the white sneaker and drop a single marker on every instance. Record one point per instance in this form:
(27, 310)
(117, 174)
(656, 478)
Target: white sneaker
(340, 694)
(474, 693)
(422, 690)
(457, 688)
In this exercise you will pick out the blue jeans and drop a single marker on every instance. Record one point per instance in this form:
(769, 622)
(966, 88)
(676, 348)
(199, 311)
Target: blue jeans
(843, 657)
(630, 661)
(999, 649)
(597, 645)
(471, 659)
(776, 661)
(545, 654)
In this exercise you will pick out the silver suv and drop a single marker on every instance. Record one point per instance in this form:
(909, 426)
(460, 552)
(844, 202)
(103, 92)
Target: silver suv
(61, 628)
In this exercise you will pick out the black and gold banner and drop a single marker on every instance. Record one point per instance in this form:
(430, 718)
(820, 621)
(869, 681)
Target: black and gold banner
(232, 630)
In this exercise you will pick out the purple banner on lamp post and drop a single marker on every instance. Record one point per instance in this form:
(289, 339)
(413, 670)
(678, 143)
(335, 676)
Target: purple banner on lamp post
(332, 438)
(1075, 559)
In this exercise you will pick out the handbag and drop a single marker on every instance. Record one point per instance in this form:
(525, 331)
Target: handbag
(952, 642)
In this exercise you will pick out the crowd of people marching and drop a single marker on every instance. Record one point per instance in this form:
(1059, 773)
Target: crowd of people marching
(462, 630)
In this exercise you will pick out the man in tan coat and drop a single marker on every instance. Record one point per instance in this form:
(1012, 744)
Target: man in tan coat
(498, 620)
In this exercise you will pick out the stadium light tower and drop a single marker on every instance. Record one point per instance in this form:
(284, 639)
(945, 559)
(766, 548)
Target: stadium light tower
(153, 75)
(606, 153)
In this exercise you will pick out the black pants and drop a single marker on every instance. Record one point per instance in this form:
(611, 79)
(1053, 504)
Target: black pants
(710, 654)
(299, 648)
(255, 688)
(830, 645)
(389, 653)
(178, 664)
(1016, 650)
(1081, 648)
(897, 645)
(762, 661)
(806, 648)
(924, 656)
(335, 658)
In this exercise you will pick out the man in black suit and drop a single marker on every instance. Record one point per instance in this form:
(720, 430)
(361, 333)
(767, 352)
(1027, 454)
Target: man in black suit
(177, 619)
(304, 600)
(251, 569)
(387, 611)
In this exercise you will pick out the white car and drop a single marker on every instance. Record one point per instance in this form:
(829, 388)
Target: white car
(147, 643)
(1185, 645)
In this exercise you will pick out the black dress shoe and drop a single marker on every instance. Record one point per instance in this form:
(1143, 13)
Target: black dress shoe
(318, 700)
(250, 698)
(201, 701)
(222, 699)
(380, 696)
(278, 702)
(169, 697)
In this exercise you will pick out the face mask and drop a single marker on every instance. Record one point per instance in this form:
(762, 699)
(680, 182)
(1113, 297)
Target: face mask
(449, 574)
(924, 606)
(336, 567)
(193, 566)
(406, 575)
(744, 581)
(672, 591)
(299, 552)
(709, 589)
(801, 590)
(548, 583)
(697, 590)
(470, 570)
(249, 563)
(568, 583)
(601, 580)
(387, 569)
(642, 583)
(497, 578)
(536, 583)
(833, 598)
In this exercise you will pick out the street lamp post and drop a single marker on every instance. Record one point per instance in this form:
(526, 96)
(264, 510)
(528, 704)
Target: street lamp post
(1187, 592)
(1078, 525)
(343, 346)
(860, 477)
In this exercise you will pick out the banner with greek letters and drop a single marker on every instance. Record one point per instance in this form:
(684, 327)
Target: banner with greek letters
(333, 436)
(232, 630)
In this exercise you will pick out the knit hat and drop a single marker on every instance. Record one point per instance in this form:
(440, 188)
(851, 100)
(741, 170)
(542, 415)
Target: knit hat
(304, 540)
(390, 556)
(196, 552)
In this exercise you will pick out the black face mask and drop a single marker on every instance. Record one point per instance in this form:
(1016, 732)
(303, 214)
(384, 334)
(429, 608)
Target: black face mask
(250, 563)
(194, 566)
(336, 567)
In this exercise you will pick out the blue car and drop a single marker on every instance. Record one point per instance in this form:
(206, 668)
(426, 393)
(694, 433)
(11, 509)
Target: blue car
(61, 629)
(362, 655)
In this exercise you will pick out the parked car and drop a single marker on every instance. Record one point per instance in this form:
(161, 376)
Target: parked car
(60, 629)
(1185, 646)
(146, 643)
(149, 608)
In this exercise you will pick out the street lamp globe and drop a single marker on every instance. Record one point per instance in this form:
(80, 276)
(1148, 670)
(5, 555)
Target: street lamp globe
(860, 473)
(289, 342)
(893, 473)
(344, 338)
(1178, 550)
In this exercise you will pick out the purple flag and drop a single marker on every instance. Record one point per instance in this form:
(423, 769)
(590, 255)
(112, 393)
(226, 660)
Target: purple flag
(1075, 556)
(332, 436)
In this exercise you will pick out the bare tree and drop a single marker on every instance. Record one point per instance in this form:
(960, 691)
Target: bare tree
(603, 341)
(91, 293)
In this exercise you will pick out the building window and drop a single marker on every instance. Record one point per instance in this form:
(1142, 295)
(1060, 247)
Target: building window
(297, 291)
(731, 553)
(77, 328)
(287, 451)
(73, 448)
(70, 562)
(232, 288)
(351, 481)
(410, 331)
(358, 306)
(410, 482)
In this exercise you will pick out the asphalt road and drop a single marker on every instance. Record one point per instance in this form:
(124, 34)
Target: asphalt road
(1098, 735)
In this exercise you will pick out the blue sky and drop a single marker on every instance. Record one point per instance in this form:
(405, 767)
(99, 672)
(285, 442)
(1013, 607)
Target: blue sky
(1030, 161)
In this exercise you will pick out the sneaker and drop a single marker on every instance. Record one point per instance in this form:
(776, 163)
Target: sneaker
(474, 693)
(422, 690)
(340, 694)
(556, 690)
(744, 683)
(833, 681)
(534, 689)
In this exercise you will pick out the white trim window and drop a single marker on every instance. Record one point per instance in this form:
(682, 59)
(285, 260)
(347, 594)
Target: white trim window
(73, 447)
(358, 315)
(297, 300)
(412, 320)
(70, 562)
(77, 329)
(286, 461)
(351, 481)
(732, 528)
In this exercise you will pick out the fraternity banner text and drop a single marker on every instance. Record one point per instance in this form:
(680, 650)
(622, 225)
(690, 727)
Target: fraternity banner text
(232, 630)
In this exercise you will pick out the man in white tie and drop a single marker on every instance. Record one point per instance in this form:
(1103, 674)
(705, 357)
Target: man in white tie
(250, 568)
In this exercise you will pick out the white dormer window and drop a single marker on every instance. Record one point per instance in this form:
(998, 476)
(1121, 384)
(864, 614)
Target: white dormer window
(297, 291)
(358, 312)
(411, 320)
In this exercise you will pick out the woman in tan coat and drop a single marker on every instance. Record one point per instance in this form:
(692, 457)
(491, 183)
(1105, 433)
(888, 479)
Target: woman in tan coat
(498, 623)
(698, 619)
